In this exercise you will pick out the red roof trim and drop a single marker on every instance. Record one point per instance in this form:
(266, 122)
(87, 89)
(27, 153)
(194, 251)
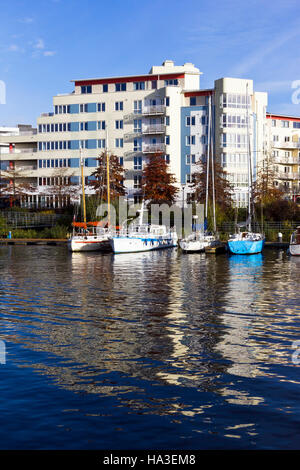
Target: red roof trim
(138, 78)
(199, 93)
(282, 118)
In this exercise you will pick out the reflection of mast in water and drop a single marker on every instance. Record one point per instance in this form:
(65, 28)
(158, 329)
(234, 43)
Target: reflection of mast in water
(236, 345)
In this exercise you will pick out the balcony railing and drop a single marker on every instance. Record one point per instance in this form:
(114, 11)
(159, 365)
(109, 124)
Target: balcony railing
(157, 109)
(288, 176)
(154, 129)
(154, 148)
(286, 145)
(14, 151)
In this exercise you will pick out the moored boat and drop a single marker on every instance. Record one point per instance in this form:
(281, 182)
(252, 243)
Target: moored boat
(143, 237)
(246, 243)
(294, 247)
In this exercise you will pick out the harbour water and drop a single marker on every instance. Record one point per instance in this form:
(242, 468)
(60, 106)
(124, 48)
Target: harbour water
(157, 350)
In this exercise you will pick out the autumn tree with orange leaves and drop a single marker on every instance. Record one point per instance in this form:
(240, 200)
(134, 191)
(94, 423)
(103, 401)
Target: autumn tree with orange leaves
(158, 185)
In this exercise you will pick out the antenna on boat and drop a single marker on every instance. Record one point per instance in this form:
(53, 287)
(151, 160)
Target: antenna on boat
(107, 177)
(207, 159)
(249, 161)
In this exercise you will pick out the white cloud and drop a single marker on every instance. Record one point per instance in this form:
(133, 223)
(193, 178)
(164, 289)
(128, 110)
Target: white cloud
(49, 53)
(26, 20)
(39, 44)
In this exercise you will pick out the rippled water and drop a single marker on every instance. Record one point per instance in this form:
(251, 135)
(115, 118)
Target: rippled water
(154, 350)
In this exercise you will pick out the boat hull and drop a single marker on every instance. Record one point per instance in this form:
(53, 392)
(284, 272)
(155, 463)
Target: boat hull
(245, 247)
(295, 249)
(75, 245)
(136, 245)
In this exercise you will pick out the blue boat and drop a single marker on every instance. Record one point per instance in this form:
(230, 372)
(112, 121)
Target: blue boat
(246, 243)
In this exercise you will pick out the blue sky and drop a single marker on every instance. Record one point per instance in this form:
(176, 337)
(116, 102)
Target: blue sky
(46, 43)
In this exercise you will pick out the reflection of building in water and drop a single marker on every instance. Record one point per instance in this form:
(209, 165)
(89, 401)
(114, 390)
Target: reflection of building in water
(239, 304)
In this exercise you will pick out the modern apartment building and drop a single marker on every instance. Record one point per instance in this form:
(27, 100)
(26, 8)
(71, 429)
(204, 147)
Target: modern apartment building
(283, 151)
(135, 116)
(18, 159)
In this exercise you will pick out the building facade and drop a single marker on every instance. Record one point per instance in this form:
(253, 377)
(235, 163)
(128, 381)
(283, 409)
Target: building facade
(133, 117)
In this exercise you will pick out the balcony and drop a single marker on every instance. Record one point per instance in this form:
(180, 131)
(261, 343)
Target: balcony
(286, 145)
(153, 129)
(288, 176)
(154, 148)
(153, 110)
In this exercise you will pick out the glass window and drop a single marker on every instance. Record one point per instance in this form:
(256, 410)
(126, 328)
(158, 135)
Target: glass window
(119, 105)
(86, 89)
(139, 85)
(105, 88)
(154, 84)
(193, 101)
(120, 86)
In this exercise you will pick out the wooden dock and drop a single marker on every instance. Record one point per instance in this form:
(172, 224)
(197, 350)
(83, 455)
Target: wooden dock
(33, 241)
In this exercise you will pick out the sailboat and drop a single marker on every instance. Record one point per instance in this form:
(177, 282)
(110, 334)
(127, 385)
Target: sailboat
(88, 236)
(247, 242)
(140, 236)
(200, 239)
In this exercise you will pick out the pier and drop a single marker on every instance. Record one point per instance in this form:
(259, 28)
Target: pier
(33, 241)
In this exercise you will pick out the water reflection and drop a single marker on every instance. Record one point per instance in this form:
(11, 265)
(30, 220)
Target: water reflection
(124, 326)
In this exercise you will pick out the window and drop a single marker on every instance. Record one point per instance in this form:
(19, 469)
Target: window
(121, 161)
(119, 124)
(101, 144)
(203, 120)
(286, 139)
(154, 84)
(167, 120)
(275, 138)
(137, 163)
(119, 143)
(86, 89)
(296, 125)
(137, 125)
(190, 140)
(234, 100)
(188, 178)
(167, 158)
(119, 106)
(172, 82)
(120, 86)
(137, 107)
(101, 107)
(137, 181)
(284, 123)
(191, 159)
(190, 120)
(101, 125)
(193, 101)
(167, 101)
(167, 140)
(273, 122)
(105, 88)
(139, 85)
(137, 145)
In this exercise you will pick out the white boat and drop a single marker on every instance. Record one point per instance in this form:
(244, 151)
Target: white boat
(197, 241)
(88, 236)
(295, 243)
(143, 237)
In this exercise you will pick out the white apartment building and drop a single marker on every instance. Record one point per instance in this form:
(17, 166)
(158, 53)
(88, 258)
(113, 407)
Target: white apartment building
(135, 116)
(283, 149)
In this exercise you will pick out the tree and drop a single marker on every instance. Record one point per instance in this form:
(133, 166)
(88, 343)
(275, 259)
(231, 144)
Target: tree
(264, 190)
(62, 189)
(13, 188)
(116, 177)
(157, 183)
(223, 189)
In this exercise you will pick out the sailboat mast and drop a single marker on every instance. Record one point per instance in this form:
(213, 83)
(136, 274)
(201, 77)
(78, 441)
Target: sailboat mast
(249, 161)
(82, 186)
(107, 178)
(213, 176)
(207, 159)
